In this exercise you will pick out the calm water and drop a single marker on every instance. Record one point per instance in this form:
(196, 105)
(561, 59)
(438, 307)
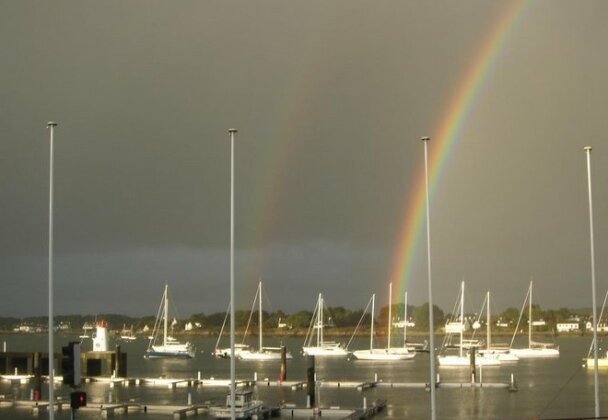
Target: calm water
(555, 388)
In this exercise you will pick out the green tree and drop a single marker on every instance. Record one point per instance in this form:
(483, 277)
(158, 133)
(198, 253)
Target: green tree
(421, 316)
(300, 319)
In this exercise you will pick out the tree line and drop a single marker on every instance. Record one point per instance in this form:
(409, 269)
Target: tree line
(338, 317)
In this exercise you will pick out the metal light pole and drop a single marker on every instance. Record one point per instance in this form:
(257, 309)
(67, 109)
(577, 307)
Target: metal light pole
(232, 132)
(594, 306)
(425, 140)
(51, 126)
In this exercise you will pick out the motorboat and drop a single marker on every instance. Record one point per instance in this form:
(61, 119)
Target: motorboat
(245, 406)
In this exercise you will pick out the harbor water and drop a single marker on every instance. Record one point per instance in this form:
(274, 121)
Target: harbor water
(548, 388)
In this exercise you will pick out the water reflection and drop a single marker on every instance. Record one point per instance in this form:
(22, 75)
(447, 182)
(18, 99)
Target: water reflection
(557, 387)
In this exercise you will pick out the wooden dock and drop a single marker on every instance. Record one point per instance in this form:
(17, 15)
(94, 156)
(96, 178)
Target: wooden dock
(172, 383)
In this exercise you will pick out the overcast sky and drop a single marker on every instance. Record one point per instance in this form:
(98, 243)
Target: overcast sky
(330, 100)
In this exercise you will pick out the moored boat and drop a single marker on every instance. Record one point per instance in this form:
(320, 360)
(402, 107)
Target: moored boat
(462, 358)
(320, 346)
(262, 354)
(170, 347)
(387, 354)
(245, 407)
(535, 349)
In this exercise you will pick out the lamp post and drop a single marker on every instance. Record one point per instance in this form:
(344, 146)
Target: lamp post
(232, 132)
(51, 127)
(594, 306)
(425, 140)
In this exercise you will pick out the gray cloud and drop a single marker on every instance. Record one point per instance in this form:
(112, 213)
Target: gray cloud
(330, 100)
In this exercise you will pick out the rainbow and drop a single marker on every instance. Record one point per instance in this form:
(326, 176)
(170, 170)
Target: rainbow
(446, 137)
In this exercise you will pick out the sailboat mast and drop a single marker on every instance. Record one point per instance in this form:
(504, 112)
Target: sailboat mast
(371, 336)
(320, 321)
(165, 316)
(405, 321)
(260, 311)
(488, 322)
(461, 317)
(390, 313)
(530, 318)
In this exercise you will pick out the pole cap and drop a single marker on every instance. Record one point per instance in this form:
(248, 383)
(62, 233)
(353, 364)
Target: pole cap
(51, 124)
(232, 130)
(425, 138)
(587, 148)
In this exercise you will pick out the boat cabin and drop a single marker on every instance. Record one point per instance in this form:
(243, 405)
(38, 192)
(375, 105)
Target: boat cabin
(242, 399)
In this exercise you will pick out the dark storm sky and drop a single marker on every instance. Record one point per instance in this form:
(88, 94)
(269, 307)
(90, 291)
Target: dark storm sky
(330, 99)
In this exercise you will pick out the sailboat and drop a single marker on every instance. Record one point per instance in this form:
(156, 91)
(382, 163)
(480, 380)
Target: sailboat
(126, 334)
(170, 347)
(224, 352)
(387, 354)
(602, 360)
(411, 346)
(535, 349)
(263, 353)
(320, 346)
(462, 358)
(502, 353)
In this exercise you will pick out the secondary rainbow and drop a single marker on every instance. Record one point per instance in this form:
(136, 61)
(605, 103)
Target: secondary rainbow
(445, 138)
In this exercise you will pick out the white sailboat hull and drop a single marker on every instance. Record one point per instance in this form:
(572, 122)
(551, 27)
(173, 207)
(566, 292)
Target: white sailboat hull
(264, 355)
(225, 352)
(504, 356)
(455, 360)
(602, 362)
(384, 354)
(180, 351)
(531, 353)
(331, 351)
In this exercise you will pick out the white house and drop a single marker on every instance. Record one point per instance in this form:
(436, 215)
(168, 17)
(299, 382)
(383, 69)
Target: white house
(567, 326)
(601, 327)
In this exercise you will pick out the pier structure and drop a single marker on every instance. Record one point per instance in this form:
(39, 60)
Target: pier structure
(25, 366)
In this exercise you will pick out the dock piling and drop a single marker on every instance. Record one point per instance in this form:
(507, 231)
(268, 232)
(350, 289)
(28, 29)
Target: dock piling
(311, 378)
(513, 384)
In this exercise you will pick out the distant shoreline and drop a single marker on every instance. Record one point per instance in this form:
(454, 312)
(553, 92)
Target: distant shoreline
(303, 332)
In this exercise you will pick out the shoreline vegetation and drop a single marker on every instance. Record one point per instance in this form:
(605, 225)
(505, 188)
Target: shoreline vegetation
(341, 322)
(336, 332)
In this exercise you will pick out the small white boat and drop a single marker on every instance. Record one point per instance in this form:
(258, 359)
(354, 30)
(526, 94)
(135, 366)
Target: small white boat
(170, 347)
(535, 349)
(245, 407)
(388, 354)
(321, 347)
